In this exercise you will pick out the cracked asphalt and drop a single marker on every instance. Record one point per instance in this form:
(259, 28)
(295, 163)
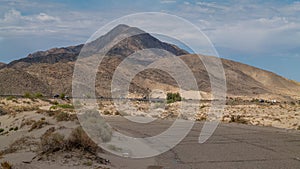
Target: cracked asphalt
(231, 146)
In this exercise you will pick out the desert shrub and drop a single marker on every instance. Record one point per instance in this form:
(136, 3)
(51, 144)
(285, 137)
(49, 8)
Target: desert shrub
(64, 116)
(16, 128)
(26, 102)
(38, 124)
(117, 113)
(4, 111)
(88, 163)
(55, 102)
(24, 108)
(27, 122)
(238, 119)
(6, 165)
(66, 106)
(10, 129)
(15, 101)
(10, 97)
(232, 119)
(63, 106)
(62, 96)
(173, 97)
(27, 95)
(80, 140)
(38, 95)
(20, 144)
(52, 142)
(1, 130)
(106, 112)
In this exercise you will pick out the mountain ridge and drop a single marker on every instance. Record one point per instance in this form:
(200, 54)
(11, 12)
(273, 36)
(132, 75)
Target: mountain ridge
(53, 69)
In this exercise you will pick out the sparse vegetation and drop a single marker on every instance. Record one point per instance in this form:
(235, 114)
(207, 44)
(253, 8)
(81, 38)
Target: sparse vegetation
(64, 116)
(38, 95)
(24, 108)
(173, 97)
(4, 111)
(38, 124)
(63, 106)
(27, 95)
(202, 106)
(10, 98)
(62, 96)
(6, 165)
(106, 112)
(52, 142)
(1, 130)
(238, 119)
(88, 163)
(20, 144)
(79, 139)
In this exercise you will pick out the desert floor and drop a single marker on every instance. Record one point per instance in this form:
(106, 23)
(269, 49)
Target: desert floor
(41, 133)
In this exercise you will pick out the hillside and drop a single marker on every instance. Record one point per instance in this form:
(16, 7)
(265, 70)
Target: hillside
(51, 71)
(2, 65)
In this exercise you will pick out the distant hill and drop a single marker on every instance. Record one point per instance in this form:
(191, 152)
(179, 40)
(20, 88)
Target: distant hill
(51, 71)
(2, 65)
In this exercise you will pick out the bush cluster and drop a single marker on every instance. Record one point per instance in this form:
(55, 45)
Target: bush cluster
(52, 141)
(173, 97)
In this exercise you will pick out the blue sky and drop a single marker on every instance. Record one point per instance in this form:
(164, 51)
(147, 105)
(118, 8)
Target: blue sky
(265, 34)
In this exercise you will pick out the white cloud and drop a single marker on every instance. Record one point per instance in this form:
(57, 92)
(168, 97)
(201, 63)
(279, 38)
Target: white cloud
(15, 18)
(167, 1)
(45, 17)
(186, 3)
(262, 35)
(12, 16)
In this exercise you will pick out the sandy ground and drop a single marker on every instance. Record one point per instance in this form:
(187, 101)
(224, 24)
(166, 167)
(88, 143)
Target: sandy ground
(22, 111)
(279, 115)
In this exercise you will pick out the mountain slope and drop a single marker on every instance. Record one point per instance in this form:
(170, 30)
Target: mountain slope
(16, 82)
(51, 71)
(2, 65)
(124, 48)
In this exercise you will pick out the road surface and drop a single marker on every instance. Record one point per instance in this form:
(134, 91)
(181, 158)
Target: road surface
(231, 146)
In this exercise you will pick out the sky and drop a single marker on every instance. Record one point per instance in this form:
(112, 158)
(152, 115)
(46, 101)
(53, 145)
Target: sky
(265, 34)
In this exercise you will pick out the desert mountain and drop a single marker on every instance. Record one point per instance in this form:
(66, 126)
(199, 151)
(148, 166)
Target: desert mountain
(2, 65)
(124, 48)
(51, 71)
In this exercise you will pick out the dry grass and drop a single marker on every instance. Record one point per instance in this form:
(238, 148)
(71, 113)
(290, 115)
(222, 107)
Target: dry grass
(52, 142)
(64, 116)
(38, 125)
(80, 140)
(4, 111)
(24, 143)
(6, 165)
(238, 119)
(23, 108)
(59, 115)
